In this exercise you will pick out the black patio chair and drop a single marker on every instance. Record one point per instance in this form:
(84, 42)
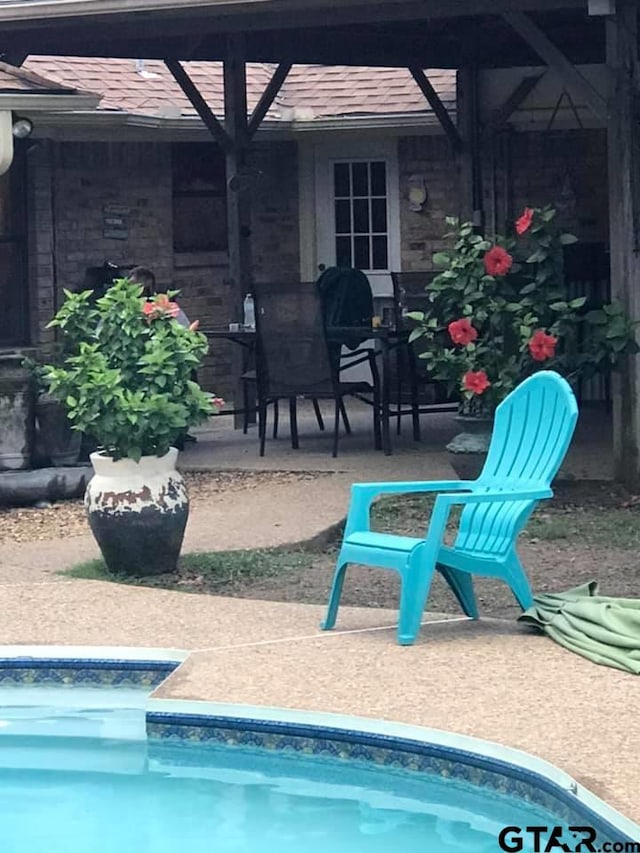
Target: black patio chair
(410, 294)
(293, 360)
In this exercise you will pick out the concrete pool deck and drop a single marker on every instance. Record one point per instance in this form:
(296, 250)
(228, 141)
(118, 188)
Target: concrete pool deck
(491, 679)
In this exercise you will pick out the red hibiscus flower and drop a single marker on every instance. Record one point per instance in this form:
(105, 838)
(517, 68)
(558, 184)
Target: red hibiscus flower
(497, 261)
(475, 381)
(542, 346)
(462, 332)
(524, 222)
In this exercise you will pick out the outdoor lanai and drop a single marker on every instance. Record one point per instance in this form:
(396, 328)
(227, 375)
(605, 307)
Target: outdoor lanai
(464, 35)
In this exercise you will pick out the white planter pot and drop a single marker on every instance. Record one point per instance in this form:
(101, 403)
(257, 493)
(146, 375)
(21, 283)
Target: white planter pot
(138, 512)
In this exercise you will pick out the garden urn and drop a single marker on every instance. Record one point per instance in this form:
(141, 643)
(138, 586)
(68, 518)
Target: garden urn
(468, 449)
(138, 512)
(17, 413)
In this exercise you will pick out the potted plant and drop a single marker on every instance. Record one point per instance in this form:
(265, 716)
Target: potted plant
(499, 311)
(130, 388)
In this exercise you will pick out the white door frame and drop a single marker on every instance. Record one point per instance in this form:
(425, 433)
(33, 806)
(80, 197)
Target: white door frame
(324, 155)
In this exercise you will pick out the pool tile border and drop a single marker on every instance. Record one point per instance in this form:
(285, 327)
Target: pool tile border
(148, 668)
(381, 750)
(98, 672)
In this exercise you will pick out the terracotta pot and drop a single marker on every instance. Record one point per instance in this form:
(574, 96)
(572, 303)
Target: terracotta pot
(17, 414)
(138, 512)
(468, 449)
(60, 443)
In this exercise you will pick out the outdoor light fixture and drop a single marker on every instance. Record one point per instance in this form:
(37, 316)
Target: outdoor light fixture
(21, 128)
(417, 193)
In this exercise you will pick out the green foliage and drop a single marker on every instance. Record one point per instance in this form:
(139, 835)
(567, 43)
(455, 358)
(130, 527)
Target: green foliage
(125, 377)
(507, 310)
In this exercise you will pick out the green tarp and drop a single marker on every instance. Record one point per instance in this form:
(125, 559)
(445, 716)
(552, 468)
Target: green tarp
(605, 630)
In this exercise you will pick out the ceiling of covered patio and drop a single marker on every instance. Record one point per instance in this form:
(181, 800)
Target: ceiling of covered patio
(431, 33)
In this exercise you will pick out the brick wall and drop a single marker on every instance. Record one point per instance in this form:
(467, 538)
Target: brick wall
(89, 176)
(421, 232)
(542, 165)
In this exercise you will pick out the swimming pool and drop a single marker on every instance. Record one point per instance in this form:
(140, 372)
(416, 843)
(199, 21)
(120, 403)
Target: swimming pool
(89, 763)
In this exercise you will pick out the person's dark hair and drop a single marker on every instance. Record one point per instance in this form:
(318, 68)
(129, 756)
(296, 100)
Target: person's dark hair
(143, 276)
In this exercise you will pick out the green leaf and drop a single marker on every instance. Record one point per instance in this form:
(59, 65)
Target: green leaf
(568, 239)
(418, 316)
(578, 302)
(558, 306)
(441, 259)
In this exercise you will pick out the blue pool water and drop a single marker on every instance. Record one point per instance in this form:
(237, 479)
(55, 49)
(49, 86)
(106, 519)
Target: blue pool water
(77, 775)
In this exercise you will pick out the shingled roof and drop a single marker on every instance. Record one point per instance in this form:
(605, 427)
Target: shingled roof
(310, 91)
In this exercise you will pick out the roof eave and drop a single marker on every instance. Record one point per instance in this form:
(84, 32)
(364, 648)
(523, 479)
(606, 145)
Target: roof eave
(27, 102)
(90, 119)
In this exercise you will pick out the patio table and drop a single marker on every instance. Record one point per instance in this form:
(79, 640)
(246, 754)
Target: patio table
(385, 341)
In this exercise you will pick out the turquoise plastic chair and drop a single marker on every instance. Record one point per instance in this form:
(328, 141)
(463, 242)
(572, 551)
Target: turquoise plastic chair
(532, 431)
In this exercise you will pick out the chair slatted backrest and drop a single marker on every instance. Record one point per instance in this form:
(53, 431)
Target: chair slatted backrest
(532, 432)
(292, 354)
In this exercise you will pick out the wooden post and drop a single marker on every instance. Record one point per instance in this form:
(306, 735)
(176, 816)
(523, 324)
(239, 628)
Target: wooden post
(238, 194)
(471, 200)
(624, 212)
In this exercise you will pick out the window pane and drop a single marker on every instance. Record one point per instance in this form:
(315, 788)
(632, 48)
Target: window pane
(379, 252)
(379, 178)
(199, 224)
(198, 166)
(341, 183)
(361, 253)
(361, 216)
(360, 178)
(343, 251)
(379, 215)
(343, 217)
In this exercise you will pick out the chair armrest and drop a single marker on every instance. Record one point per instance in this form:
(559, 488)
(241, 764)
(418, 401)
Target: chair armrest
(363, 495)
(495, 496)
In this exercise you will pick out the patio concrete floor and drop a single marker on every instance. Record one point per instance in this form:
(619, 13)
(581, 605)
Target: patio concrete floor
(495, 680)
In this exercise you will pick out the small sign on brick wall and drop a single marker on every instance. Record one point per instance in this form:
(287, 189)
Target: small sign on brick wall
(115, 222)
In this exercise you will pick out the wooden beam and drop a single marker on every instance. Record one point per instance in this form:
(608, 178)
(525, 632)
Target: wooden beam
(536, 38)
(238, 197)
(501, 115)
(437, 106)
(212, 123)
(623, 143)
(471, 188)
(268, 97)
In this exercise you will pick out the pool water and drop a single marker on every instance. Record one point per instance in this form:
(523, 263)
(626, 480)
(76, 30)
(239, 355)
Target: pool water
(65, 787)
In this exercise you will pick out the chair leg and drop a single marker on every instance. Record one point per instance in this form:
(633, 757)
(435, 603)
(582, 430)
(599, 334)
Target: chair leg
(345, 419)
(336, 424)
(245, 404)
(262, 425)
(276, 415)
(293, 420)
(334, 596)
(517, 579)
(414, 591)
(415, 399)
(316, 409)
(399, 371)
(461, 585)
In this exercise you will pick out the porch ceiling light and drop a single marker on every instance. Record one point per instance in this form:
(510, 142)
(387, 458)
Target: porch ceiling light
(22, 128)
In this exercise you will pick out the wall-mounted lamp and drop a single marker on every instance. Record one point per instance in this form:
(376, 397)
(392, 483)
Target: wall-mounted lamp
(417, 193)
(22, 128)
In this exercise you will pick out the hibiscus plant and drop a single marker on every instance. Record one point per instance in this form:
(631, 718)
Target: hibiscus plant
(500, 310)
(129, 385)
